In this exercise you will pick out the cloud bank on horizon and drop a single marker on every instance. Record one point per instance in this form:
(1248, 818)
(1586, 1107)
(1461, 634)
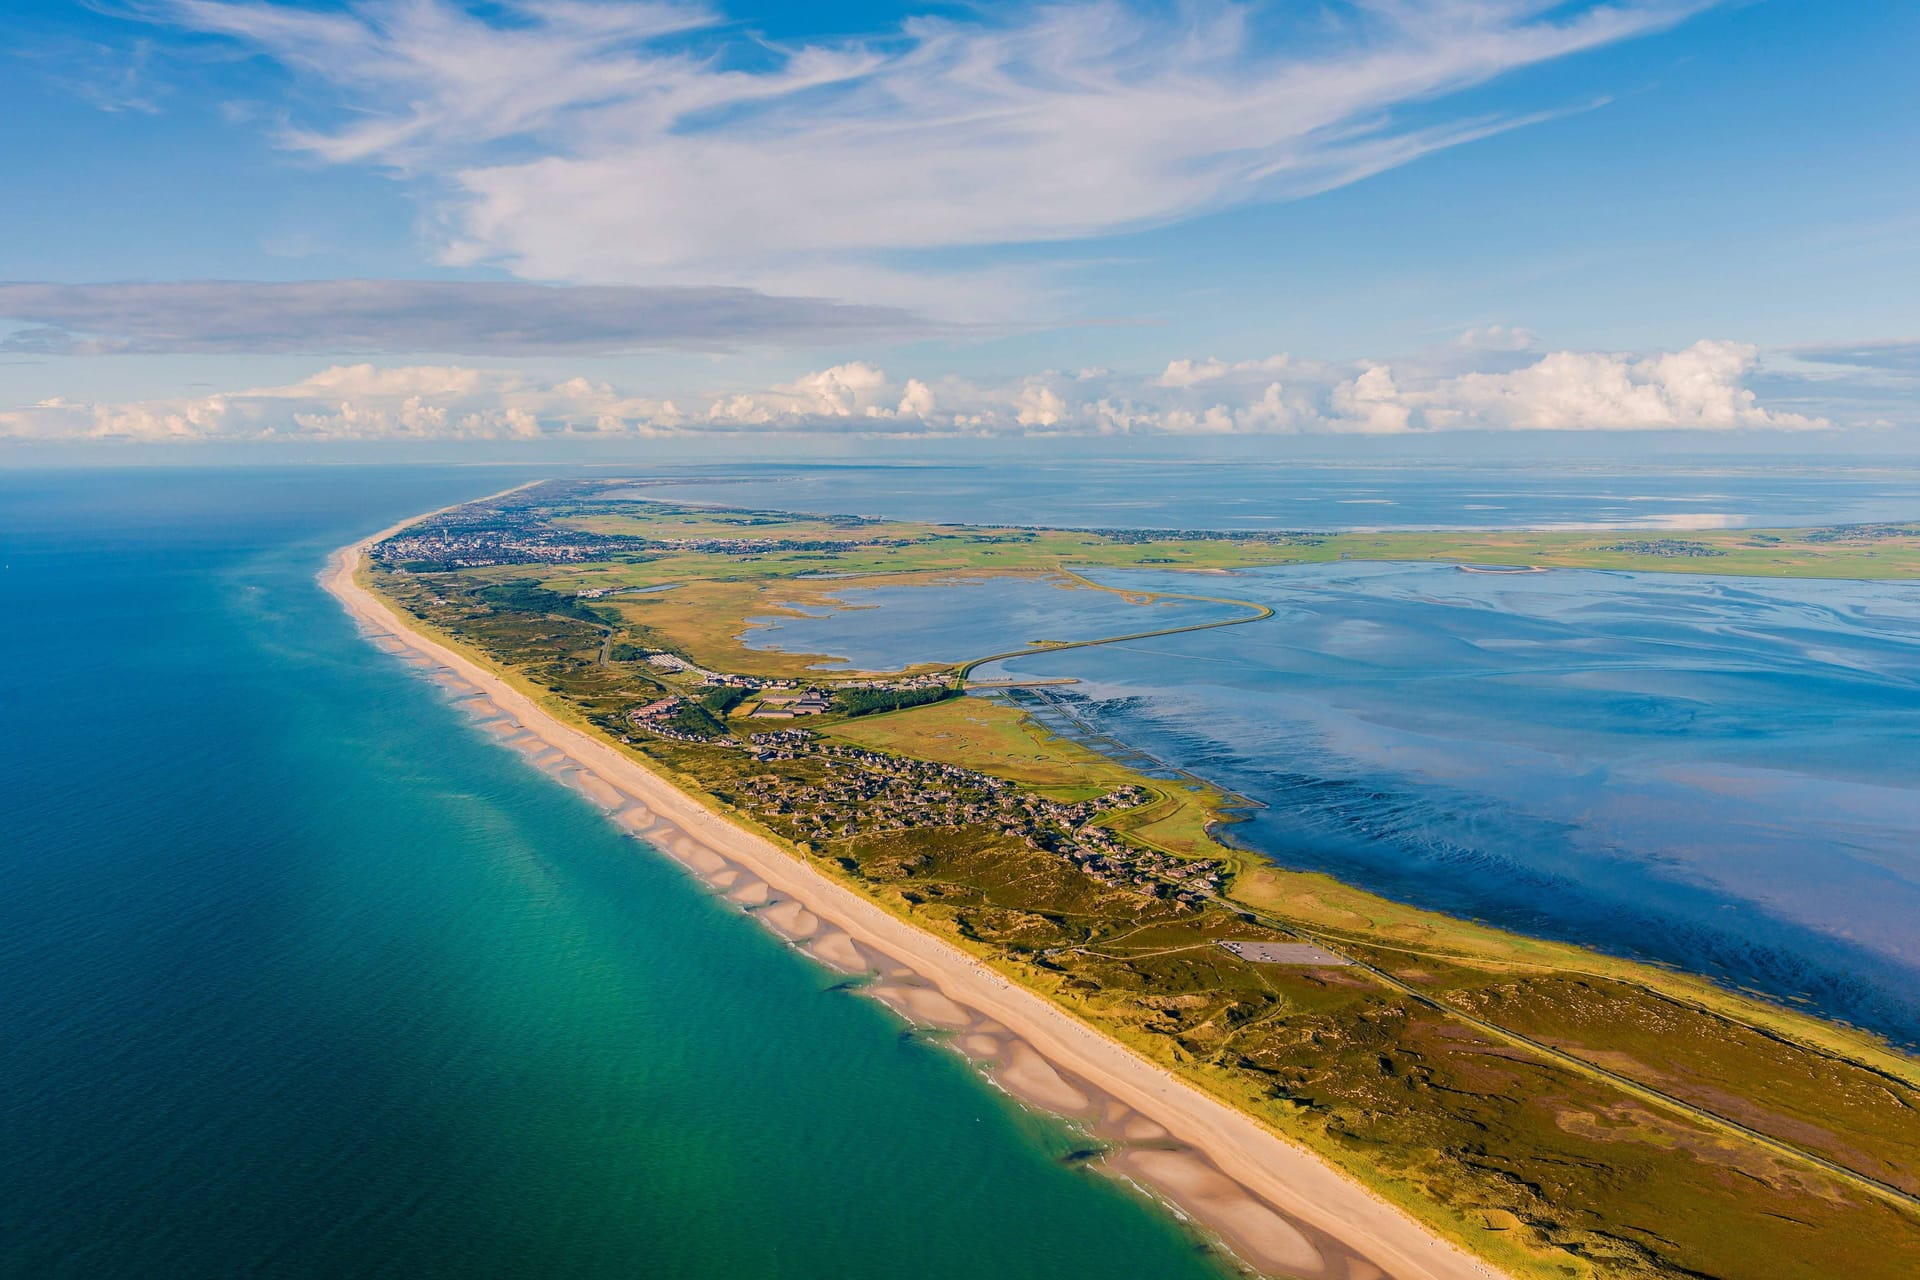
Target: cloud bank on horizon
(640, 218)
(1699, 388)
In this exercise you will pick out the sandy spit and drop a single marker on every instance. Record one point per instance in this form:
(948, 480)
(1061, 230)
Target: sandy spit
(1278, 1207)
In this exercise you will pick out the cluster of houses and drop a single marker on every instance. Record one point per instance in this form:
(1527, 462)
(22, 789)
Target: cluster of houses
(899, 682)
(868, 792)
(781, 699)
(759, 546)
(785, 706)
(1667, 547)
(768, 746)
(483, 538)
(1110, 860)
(674, 664)
(657, 718)
(601, 593)
(477, 537)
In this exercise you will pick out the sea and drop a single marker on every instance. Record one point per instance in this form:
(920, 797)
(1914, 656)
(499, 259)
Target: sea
(302, 975)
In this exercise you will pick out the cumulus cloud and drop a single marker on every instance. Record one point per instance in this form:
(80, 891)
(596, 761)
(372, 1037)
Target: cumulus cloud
(856, 390)
(386, 316)
(1498, 337)
(358, 402)
(1700, 388)
(585, 141)
(1191, 373)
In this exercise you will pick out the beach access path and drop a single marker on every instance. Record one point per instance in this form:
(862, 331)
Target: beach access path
(1277, 1205)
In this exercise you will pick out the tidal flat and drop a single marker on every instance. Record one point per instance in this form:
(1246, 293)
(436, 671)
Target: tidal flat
(1546, 1105)
(1706, 771)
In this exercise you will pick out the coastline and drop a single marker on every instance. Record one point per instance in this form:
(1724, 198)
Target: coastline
(1277, 1206)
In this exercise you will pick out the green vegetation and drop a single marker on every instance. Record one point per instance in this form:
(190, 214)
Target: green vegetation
(723, 699)
(993, 738)
(865, 702)
(1563, 1112)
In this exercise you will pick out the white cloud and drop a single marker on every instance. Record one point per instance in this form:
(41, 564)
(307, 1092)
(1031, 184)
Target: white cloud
(916, 401)
(583, 141)
(1191, 373)
(855, 390)
(1370, 402)
(357, 402)
(1700, 388)
(1498, 337)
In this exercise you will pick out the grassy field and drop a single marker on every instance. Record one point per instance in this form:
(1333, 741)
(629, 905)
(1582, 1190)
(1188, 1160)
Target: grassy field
(991, 737)
(1564, 1112)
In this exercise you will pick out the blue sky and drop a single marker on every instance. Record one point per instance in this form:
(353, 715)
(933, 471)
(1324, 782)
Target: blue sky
(665, 221)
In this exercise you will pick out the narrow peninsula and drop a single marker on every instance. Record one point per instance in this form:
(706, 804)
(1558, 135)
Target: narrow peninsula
(1330, 1083)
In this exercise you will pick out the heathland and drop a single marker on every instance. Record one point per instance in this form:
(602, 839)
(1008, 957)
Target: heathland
(1555, 1110)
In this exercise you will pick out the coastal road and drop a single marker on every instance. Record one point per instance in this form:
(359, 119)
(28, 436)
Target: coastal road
(1260, 613)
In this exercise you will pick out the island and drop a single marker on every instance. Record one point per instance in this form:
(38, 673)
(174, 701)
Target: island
(1328, 1082)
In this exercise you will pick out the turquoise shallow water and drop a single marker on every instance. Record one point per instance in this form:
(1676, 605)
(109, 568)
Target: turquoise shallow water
(299, 976)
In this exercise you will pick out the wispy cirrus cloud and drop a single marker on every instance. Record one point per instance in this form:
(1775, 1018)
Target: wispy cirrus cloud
(1699, 388)
(505, 318)
(583, 141)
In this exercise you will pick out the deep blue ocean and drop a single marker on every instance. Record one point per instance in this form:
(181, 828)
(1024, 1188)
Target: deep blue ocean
(302, 977)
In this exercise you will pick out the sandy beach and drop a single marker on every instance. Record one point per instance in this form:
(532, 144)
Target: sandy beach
(1278, 1207)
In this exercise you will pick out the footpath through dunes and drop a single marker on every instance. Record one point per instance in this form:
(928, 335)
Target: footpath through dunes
(1277, 1206)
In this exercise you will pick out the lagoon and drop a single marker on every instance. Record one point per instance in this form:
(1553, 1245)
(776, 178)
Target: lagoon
(1716, 773)
(1711, 772)
(878, 628)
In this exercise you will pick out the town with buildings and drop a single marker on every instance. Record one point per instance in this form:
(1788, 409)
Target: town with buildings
(856, 791)
(863, 792)
(482, 537)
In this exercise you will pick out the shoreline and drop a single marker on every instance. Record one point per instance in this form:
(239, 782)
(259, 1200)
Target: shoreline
(1277, 1206)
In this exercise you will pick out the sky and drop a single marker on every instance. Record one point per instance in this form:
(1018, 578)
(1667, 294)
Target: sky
(587, 224)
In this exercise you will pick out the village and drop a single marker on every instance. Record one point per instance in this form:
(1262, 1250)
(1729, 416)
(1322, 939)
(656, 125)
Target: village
(482, 537)
(767, 698)
(861, 791)
(485, 536)
(864, 792)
